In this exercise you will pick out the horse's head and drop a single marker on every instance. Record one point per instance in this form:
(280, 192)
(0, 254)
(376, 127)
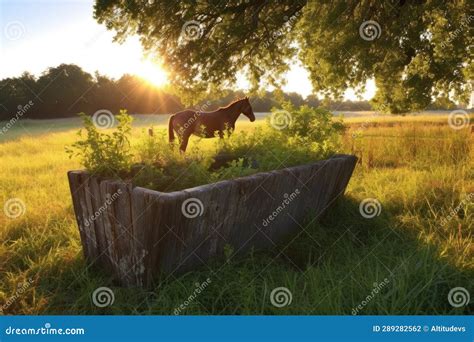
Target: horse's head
(247, 109)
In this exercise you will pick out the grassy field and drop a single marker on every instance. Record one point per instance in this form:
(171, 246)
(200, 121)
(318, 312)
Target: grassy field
(404, 261)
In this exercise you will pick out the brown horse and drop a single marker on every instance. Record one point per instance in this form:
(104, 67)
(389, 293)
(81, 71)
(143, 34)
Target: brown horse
(206, 124)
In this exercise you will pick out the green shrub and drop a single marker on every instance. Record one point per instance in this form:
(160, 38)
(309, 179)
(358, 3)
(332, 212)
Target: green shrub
(102, 153)
(309, 134)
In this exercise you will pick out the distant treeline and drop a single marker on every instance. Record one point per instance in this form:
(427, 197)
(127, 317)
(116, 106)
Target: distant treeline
(66, 90)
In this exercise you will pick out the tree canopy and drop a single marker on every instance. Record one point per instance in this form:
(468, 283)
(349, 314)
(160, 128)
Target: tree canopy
(416, 51)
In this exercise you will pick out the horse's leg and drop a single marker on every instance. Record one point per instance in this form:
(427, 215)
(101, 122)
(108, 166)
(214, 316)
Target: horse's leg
(184, 141)
(225, 130)
(171, 129)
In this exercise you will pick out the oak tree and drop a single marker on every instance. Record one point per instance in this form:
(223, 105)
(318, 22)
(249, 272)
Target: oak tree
(416, 50)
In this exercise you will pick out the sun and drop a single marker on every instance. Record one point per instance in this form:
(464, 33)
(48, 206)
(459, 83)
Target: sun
(152, 73)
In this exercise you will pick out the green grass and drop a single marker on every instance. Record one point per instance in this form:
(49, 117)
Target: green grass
(419, 170)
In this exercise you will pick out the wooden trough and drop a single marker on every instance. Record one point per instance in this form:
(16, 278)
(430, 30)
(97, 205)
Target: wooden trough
(135, 233)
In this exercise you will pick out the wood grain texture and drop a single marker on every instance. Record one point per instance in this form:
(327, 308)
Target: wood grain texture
(140, 233)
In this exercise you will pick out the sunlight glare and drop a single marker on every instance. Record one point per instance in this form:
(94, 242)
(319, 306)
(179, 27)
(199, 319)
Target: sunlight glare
(152, 72)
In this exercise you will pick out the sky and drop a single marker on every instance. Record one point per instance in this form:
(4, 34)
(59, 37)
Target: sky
(37, 34)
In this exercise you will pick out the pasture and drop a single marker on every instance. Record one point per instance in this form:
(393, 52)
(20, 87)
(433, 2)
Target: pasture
(418, 168)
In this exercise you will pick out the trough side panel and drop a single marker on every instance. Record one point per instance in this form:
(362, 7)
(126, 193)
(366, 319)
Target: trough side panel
(76, 185)
(331, 177)
(278, 222)
(98, 220)
(348, 166)
(205, 240)
(142, 225)
(90, 223)
(175, 227)
(82, 200)
(109, 232)
(120, 210)
(320, 184)
(245, 233)
(152, 234)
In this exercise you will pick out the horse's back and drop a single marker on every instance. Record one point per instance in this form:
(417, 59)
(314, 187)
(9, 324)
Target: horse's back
(183, 116)
(185, 112)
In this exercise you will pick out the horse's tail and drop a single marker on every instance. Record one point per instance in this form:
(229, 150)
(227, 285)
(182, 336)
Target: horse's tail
(170, 129)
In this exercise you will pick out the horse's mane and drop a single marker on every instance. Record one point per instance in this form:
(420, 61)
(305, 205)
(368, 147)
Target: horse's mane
(232, 103)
